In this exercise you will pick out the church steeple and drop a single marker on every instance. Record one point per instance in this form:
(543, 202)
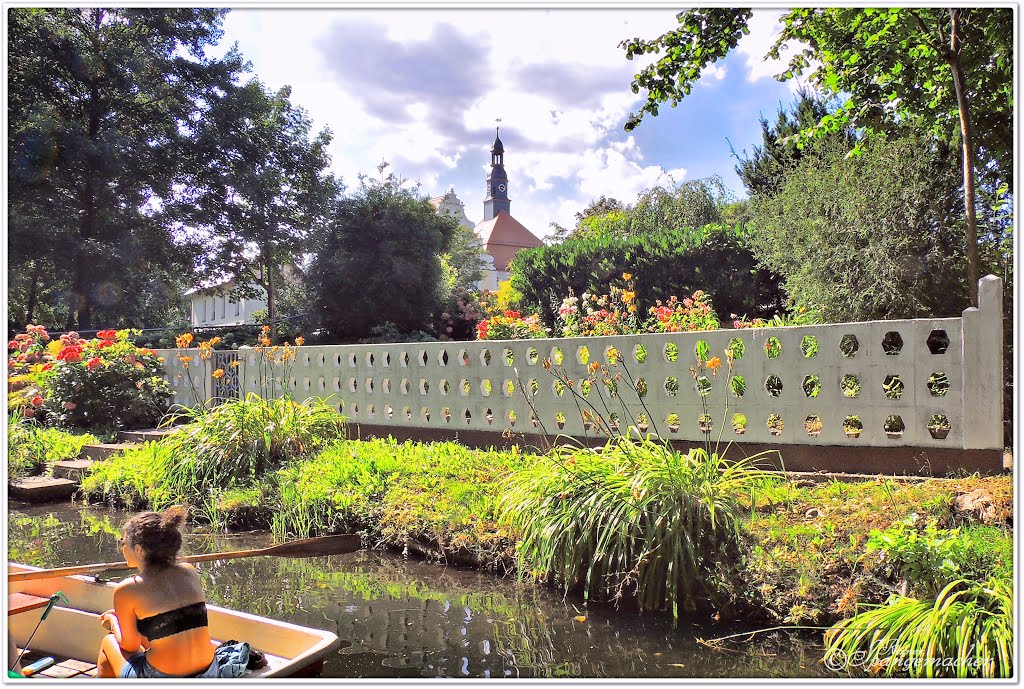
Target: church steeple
(496, 197)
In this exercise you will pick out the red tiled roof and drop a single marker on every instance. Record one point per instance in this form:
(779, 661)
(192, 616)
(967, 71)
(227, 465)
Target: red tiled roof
(503, 236)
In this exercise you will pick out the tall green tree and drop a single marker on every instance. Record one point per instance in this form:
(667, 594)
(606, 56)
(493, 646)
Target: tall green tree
(265, 192)
(103, 106)
(947, 71)
(380, 260)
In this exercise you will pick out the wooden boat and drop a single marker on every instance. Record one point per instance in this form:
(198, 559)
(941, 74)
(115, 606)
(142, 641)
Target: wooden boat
(74, 632)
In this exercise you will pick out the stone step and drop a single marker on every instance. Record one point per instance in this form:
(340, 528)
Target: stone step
(41, 489)
(98, 451)
(72, 469)
(144, 436)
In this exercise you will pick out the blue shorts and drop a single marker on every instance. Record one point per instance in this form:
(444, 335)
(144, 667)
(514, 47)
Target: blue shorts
(138, 667)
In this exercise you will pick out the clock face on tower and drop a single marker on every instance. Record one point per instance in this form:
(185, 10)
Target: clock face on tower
(501, 187)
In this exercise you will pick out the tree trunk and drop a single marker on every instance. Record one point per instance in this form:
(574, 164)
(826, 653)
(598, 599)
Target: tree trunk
(271, 303)
(33, 291)
(953, 57)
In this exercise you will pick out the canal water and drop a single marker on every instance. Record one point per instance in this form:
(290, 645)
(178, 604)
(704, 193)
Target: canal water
(402, 617)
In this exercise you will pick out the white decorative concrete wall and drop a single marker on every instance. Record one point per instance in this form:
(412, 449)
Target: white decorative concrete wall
(901, 369)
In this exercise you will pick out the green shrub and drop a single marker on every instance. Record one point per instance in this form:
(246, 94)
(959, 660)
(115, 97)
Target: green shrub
(31, 448)
(633, 517)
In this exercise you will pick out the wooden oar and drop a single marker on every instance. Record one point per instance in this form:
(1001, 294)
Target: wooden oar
(306, 547)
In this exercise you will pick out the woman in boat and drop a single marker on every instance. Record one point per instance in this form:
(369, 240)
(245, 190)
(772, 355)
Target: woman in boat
(158, 625)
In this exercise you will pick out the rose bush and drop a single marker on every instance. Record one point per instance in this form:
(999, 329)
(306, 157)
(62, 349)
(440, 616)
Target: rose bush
(510, 325)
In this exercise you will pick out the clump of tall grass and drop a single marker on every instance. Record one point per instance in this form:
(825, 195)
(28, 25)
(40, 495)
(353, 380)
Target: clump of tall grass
(633, 518)
(133, 478)
(967, 631)
(242, 440)
(32, 448)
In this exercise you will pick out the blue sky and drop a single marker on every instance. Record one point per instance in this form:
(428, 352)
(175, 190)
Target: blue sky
(422, 88)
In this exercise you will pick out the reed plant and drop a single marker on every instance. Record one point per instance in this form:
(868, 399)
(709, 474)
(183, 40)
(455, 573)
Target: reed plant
(966, 631)
(238, 442)
(633, 518)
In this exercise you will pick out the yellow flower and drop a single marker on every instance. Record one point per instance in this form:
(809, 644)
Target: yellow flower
(627, 276)
(628, 296)
(160, 360)
(299, 341)
(235, 363)
(218, 374)
(632, 308)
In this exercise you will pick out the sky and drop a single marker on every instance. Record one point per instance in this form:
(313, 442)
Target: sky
(421, 89)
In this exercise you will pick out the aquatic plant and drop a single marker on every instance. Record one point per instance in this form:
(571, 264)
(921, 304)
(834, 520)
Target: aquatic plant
(967, 631)
(634, 517)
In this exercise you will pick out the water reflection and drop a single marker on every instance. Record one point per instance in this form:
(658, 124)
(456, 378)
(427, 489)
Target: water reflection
(406, 618)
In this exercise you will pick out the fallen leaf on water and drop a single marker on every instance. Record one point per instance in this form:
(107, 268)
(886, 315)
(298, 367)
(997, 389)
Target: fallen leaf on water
(658, 653)
(581, 618)
(677, 665)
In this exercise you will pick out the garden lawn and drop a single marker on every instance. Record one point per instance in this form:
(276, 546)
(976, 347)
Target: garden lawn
(804, 559)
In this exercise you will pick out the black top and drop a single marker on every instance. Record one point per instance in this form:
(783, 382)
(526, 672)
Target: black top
(173, 621)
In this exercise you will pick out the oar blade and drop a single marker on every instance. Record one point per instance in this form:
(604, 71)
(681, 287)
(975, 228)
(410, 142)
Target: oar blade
(338, 544)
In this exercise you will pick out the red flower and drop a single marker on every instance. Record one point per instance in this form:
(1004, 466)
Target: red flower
(13, 344)
(37, 401)
(94, 363)
(106, 334)
(47, 366)
(513, 314)
(106, 343)
(70, 354)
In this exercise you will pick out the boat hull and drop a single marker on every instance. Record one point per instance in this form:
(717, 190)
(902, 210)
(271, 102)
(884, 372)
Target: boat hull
(74, 630)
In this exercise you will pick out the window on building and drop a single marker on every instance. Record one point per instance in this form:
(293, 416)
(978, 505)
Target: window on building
(238, 306)
(202, 310)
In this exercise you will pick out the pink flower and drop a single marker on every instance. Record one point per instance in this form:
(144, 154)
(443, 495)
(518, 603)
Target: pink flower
(28, 412)
(13, 344)
(687, 302)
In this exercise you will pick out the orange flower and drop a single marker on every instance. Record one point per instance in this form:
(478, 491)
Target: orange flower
(627, 276)
(235, 363)
(628, 296)
(299, 341)
(218, 374)
(185, 359)
(714, 363)
(183, 341)
(594, 366)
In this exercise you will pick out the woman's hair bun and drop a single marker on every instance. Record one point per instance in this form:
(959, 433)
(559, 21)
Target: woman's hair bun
(174, 516)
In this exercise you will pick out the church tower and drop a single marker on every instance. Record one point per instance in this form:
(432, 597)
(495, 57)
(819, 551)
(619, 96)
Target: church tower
(496, 197)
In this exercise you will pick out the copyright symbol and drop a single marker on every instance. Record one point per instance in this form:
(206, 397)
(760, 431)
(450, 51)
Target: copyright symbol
(836, 660)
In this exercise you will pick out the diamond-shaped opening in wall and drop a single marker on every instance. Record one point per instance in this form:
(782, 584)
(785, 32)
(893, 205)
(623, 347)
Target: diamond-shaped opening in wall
(321, 384)
(894, 426)
(353, 409)
(485, 387)
(353, 385)
(447, 414)
(773, 385)
(468, 416)
(775, 424)
(557, 356)
(671, 386)
(510, 358)
(738, 386)
(705, 424)
(612, 355)
(673, 422)
(403, 359)
(463, 357)
(939, 426)
(938, 342)
(892, 343)
(403, 386)
(850, 384)
(813, 425)
(340, 406)
(442, 357)
(739, 423)
(422, 357)
(424, 386)
(612, 386)
(642, 423)
(809, 346)
(703, 351)
(560, 420)
(385, 385)
(425, 413)
(352, 360)
(812, 385)
(534, 387)
(508, 388)
(588, 419)
(640, 354)
(485, 357)
(369, 385)
(369, 359)
(407, 412)
(534, 420)
(613, 421)
(558, 387)
(337, 360)
(893, 387)
(703, 386)
(532, 357)
(849, 345)
(671, 352)
(585, 387)
(444, 387)
(773, 348)
(389, 411)
(511, 417)
(641, 388)
(489, 416)
(465, 388)
(387, 358)
(737, 348)
(938, 384)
